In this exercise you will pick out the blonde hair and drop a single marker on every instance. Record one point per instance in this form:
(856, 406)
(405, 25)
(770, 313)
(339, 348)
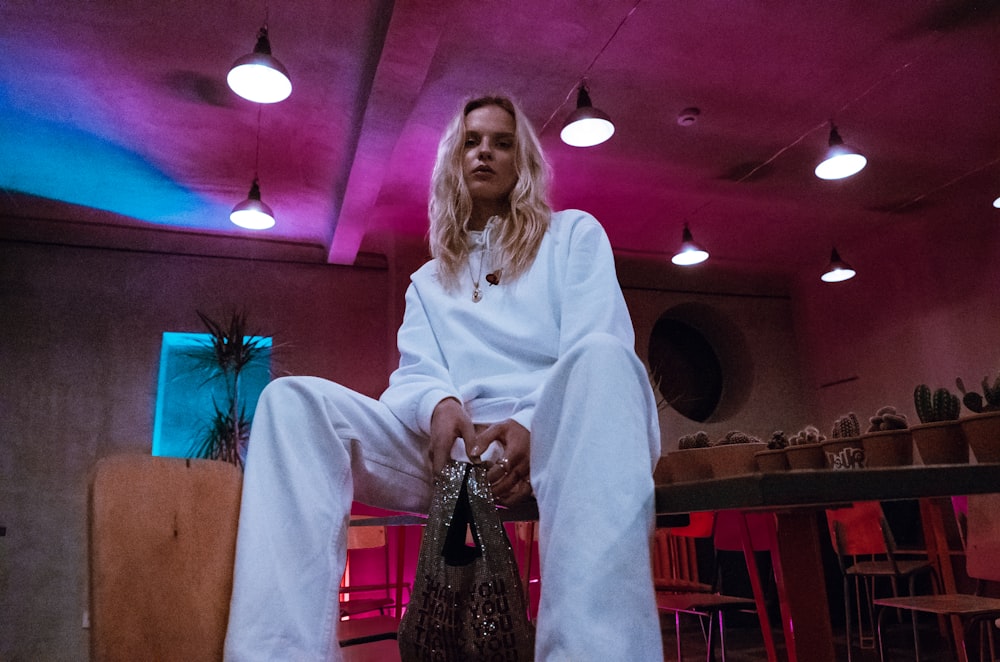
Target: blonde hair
(517, 238)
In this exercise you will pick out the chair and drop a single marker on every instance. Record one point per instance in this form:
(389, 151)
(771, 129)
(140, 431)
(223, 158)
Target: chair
(367, 538)
(690, 596)
(982, 562)
(866, 552)
(381, 595)
(162, 542)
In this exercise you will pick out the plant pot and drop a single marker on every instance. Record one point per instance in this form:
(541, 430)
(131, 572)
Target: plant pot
(982, 432)
(805, 456)
(771, 460)
(843, 453)
(730, 460)
(685, 465)
(941, 442)
(888, 448)
(705, 463)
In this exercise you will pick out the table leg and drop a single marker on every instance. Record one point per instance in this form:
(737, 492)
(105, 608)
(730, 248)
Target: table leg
(798, 573)
(939, 553)
(758, 590)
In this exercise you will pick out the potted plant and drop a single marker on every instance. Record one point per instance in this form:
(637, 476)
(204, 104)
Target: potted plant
(226, 355)
(805, 450)
(938, 437)
(888, 442)
(844, 449)
(773, 457)
(982, 427)
(699, 458)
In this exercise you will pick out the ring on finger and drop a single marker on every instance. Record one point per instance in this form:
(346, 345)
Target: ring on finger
(504, 463)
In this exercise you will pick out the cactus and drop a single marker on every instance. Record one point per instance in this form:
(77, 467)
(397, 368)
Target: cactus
(698, 440)
(777, 441)
(847, 426)
(941, 405)
(737, 437)
(807, 435)
(887, 418)
(988, 400)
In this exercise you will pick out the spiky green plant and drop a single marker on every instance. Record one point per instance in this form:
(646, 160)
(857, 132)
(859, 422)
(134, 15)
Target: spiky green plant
(229, 350)
(846, 426)
(988, 400)
(941, 405)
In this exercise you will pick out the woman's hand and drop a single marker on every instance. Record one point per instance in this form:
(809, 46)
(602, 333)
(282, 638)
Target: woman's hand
(448, 422)
(509, 477)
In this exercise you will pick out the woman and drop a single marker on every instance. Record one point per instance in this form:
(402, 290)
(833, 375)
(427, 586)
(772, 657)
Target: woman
(516, 332)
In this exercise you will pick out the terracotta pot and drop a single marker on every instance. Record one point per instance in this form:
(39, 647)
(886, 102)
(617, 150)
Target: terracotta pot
(733, 459)
(888, 448)
(712, 462)
(982, 432)
(940, 443)
(805, 456)
(685, 465)
(772, 460)
(844, 453)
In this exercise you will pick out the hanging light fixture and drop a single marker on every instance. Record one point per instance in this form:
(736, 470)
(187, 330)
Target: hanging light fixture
(838, 270)
(996, 203)
(841, 161)
(690, 253)
(586, 126)
(258, 76)
(253, 213)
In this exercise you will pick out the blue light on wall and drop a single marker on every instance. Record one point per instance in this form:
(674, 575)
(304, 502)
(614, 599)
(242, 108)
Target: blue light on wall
(59, 161)
(184, 399)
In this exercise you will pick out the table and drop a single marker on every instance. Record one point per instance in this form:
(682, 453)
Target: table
(795, 497)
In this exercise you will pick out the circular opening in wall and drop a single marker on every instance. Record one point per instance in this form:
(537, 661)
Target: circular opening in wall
(699, 362)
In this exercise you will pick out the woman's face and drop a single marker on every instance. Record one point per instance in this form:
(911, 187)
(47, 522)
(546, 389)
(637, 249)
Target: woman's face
(488, 161)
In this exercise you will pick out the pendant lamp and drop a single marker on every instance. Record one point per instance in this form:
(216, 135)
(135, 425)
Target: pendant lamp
(840, 161)
(258, 76)
(690, 253)
(586, 126)
(253, 213)
(996, 203)
(838, 270)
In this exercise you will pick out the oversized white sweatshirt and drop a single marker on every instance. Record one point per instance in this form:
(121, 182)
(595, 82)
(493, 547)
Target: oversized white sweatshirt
(493, 355)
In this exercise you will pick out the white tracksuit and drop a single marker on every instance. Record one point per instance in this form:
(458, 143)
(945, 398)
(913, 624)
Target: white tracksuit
(555, 352)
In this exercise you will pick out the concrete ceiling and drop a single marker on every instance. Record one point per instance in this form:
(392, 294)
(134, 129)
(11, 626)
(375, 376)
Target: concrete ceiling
(116, 118)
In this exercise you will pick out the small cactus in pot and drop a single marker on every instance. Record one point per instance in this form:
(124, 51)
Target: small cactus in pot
(887, 418)
(941, 405)
(846, 426)
(988, 400)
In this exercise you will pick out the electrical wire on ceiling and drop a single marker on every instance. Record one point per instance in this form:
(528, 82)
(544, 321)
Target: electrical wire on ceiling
(583, 77)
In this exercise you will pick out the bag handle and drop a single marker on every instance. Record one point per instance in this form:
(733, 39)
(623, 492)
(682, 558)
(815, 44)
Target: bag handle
(455, 551)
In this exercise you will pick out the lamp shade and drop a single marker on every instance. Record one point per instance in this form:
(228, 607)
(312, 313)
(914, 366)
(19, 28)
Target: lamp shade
(586, 126)
(258, 76)
(252, 213)
(840, 161)
(996, 203)
(690, 253)
(838, 270)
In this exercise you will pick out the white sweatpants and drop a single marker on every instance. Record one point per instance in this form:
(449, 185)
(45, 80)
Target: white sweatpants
(317, 446)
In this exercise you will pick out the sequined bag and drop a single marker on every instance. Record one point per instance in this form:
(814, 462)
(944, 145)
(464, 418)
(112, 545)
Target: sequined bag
(467, 603)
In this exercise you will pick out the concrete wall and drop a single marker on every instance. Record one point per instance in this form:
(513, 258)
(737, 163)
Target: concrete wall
(924, 308)
(80, 333)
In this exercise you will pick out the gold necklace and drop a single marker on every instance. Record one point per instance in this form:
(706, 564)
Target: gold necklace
(477, 293)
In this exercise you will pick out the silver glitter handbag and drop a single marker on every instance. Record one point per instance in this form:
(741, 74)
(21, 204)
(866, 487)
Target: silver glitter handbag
(467, 603)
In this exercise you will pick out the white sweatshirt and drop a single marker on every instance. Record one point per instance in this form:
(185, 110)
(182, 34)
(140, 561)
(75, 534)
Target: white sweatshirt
(494, 355)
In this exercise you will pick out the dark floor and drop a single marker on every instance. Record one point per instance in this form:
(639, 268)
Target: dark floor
(745, 644)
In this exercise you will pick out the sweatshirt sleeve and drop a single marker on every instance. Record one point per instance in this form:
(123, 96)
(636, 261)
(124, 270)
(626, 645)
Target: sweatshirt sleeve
(421, 380)
(591, 298)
